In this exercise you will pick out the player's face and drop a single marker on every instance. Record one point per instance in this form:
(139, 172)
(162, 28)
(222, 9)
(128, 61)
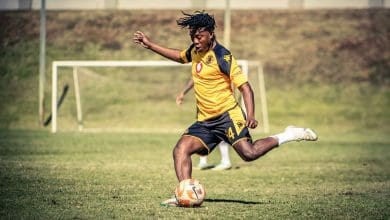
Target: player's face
(202, 39)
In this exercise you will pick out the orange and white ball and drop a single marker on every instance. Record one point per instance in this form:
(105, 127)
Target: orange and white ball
(190, 193)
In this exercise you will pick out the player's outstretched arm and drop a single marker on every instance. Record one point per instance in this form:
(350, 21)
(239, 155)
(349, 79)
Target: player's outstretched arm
(143, 40)
(247, 94)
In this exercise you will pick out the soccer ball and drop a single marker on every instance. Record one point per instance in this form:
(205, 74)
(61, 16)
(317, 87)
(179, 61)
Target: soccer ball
(190, 193)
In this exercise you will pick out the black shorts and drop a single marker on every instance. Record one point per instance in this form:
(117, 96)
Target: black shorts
(229, 127)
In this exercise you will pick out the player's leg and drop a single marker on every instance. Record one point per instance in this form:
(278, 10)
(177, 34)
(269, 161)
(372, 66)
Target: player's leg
(251, 151)
(239, 136)
(293, 133)
(197, 139)
(225, 159)
(202, 161)
(185, 147)
(203, 165)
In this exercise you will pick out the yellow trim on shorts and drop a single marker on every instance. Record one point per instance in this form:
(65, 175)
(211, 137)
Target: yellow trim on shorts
(201, 141)
(237, 117)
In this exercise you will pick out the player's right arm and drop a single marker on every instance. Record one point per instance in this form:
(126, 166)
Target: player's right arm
(143, 40)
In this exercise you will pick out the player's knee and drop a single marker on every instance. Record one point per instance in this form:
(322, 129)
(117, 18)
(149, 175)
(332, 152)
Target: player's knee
(248, 156)
(179, 149)
(245, 151)
(176, 151)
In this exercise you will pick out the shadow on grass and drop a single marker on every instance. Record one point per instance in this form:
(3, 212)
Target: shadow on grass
(237, 201)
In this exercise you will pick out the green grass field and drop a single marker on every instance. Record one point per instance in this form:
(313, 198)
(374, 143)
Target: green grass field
(326, 69)
(125, 176)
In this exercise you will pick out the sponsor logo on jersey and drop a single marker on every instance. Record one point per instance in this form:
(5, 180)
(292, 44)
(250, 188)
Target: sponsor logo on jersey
(199, 67)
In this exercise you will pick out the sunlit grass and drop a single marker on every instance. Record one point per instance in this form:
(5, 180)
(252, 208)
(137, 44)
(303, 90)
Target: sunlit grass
(72, 175)
(322, 69)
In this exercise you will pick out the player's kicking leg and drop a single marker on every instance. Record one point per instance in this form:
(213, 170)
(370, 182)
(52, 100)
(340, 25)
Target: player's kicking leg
(293, 133)
(252, 151)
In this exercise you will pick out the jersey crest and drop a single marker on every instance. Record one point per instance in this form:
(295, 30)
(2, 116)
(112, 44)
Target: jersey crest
(209, 59)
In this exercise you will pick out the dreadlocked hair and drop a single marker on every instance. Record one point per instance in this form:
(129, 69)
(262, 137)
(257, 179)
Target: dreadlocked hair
(199, 19)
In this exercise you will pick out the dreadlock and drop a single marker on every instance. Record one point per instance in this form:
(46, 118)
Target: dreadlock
(199, 19)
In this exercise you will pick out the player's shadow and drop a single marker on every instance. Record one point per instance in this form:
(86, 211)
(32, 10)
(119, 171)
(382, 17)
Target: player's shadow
(237, 201)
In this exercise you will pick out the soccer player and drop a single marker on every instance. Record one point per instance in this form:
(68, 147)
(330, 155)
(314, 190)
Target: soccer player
(225, 163)
(219, 117)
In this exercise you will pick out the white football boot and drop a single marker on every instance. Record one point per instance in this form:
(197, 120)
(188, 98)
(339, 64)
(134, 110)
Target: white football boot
(301, 134)
(222, 166)
(203, 166)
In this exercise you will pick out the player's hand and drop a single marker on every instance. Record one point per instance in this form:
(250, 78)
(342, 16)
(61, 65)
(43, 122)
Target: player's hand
(251, 123)
(141, 39)
(179, 99)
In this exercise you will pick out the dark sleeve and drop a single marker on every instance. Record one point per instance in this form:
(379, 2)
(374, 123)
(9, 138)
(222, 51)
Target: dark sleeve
(188, 53)
(224, 59)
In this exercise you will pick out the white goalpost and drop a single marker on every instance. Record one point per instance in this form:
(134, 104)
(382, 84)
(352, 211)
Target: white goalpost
(56, 65)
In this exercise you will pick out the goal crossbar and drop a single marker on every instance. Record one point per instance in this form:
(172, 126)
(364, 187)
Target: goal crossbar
(136, 63)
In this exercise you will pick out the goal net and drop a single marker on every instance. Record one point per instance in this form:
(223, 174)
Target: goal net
(134, 96)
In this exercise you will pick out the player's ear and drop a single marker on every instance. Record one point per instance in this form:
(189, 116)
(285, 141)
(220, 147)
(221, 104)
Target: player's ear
(212, 35)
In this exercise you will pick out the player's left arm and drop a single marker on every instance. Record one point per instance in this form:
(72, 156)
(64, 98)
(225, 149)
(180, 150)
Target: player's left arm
(247, 94)
(188, 87)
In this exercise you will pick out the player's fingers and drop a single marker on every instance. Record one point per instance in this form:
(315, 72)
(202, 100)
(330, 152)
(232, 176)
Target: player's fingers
(137, 37)
(251, 124)
(254, 125)
(179, 102)
(144, 45)
(138, 33)
(137, 42)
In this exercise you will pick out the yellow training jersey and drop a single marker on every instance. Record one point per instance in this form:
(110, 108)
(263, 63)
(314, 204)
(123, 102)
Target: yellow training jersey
(213, 73)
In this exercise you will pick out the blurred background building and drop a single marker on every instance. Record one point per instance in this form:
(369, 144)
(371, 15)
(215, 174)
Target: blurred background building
(187, 4)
